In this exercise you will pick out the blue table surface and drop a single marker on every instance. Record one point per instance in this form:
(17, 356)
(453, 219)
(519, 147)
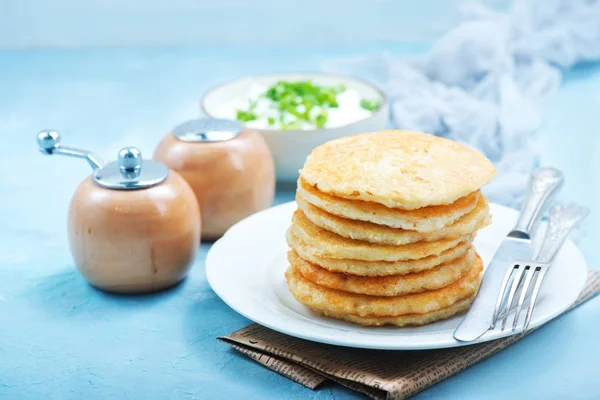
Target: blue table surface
(62, 339)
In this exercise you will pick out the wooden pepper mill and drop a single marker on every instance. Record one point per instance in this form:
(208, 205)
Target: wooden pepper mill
(229, 168)
(133, 226)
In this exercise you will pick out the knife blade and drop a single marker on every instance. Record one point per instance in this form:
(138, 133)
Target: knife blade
(517, 245)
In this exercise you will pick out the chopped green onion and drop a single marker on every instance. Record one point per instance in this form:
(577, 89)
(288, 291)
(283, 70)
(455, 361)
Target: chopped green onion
(321, 120)
(371, 105)
(246, 116)
(296, 104)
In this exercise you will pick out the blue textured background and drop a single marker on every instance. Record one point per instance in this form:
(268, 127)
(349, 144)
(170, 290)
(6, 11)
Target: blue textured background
(93, 23)
(62, 339)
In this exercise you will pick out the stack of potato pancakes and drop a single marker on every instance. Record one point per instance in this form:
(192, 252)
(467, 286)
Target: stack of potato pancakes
(384, 228)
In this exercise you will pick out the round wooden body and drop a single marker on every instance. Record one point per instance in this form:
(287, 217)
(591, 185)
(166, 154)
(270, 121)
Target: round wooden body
(134, 241)
(231, 179)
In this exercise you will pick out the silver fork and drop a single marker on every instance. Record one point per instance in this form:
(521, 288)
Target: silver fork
(562, 219)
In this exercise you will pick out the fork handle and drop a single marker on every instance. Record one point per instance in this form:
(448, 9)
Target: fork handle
(543, 182)
(562, 220)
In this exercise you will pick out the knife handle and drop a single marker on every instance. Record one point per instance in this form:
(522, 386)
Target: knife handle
(562, 220)
(543, 182)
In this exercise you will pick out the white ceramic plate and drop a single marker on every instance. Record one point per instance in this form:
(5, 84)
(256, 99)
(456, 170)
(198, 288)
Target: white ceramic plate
(246, 269)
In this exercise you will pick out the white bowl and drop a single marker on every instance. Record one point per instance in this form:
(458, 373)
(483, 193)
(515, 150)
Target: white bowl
(290, 147)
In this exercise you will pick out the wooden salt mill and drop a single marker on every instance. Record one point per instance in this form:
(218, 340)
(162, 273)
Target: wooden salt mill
(134, 225)
(229, 168)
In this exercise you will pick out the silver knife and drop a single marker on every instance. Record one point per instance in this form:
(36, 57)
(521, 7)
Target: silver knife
(516, 246)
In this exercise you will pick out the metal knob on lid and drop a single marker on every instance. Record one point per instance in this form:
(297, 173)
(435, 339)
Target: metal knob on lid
(207, 130)
(127, 173)
(130, 161)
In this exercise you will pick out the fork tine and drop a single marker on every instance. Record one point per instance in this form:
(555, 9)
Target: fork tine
(515, 285)
(528, 275)
(501, 294)
(534, 294)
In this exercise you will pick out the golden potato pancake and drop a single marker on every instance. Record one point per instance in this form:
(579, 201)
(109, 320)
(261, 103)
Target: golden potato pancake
(394, 285)
(397, 168)
(324, 243)
(376, 268)
(426, 219)
(407, 319)
(373, 233)
(337, 302)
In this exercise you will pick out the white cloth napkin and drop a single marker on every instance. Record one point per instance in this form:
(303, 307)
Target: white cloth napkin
(487, 82)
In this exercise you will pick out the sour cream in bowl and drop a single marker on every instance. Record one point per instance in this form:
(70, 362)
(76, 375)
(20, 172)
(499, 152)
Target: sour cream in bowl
(297, 112)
